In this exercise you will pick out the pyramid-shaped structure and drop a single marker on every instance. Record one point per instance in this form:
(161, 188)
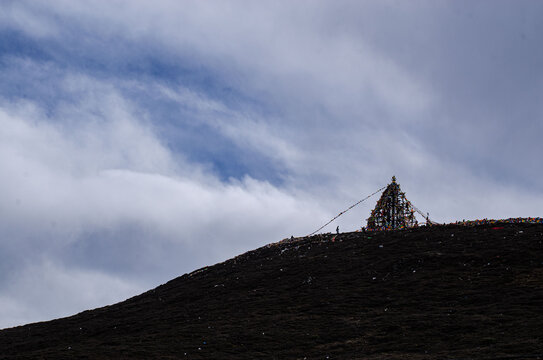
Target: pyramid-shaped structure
(393, 210)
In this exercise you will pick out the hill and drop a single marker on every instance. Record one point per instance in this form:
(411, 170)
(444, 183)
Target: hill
(443, 292)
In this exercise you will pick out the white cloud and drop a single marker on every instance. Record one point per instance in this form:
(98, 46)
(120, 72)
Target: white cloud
(46, 290)
(289, 52)
(102, 176)
(110, 167)
(248, 130)
(27, 19)
(90, 188)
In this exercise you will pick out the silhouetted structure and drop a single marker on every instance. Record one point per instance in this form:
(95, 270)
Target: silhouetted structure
(393, 210)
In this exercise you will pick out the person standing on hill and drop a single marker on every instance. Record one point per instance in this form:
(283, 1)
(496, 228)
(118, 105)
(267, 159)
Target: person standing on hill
(337, 230)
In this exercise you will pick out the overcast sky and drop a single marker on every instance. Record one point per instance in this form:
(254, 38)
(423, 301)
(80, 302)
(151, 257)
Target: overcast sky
(140, 140)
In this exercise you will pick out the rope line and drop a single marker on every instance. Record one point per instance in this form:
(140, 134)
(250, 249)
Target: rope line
(421, 213)
(344, 211)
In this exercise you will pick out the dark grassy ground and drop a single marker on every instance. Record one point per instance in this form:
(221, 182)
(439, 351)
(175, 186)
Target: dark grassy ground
(446, 292)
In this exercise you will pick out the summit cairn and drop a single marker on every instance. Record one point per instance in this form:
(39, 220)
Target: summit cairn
(393, 211)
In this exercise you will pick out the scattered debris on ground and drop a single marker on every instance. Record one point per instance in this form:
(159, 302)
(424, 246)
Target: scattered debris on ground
(417, 293)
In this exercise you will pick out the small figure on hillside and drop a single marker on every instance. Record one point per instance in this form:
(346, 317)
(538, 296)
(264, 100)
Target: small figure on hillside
(337, 230)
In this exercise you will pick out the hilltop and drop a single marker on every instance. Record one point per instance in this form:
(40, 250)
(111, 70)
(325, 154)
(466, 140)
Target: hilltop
(443, 292)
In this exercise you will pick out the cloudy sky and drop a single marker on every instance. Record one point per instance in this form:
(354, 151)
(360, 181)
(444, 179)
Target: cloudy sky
(141, 140)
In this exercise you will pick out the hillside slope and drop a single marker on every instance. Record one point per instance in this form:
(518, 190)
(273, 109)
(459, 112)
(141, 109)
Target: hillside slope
(447, 292)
